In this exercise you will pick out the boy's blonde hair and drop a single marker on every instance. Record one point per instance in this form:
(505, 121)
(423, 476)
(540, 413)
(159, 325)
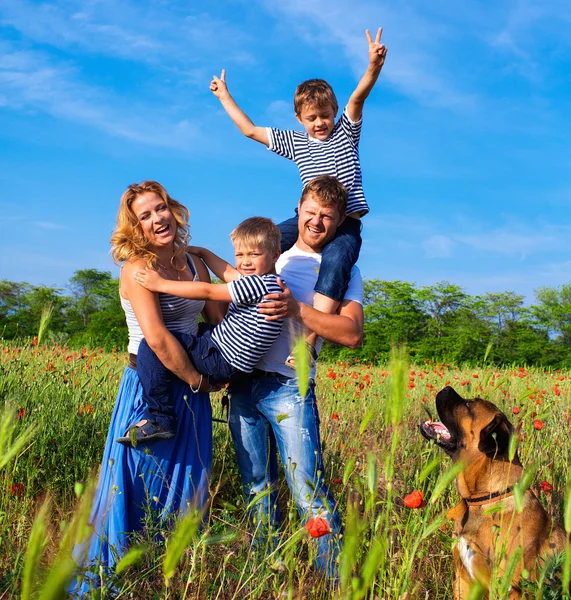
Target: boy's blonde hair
(257, 232)
(314, 92)
(328, 191)
(128, 241)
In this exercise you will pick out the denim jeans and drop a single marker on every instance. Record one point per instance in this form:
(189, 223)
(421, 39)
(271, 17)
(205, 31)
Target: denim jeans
(269, 411)
(337, 257)
(156, 380)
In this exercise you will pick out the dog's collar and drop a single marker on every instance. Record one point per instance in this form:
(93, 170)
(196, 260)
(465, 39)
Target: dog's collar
(458, 511)
(479, 500)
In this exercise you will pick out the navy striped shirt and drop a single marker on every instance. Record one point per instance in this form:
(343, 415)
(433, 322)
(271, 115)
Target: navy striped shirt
(338, 156)
(244, 335)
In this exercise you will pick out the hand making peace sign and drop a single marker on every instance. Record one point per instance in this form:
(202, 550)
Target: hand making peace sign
(218, 84)
(377, 51)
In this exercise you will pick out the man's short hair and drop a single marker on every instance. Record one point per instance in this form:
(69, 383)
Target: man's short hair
(257, 232)
(328, 191)
(314, 92)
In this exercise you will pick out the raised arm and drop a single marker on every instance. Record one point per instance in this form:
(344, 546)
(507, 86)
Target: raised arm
(222, 269)
(219, 88)
(148, 313)
(377, 54)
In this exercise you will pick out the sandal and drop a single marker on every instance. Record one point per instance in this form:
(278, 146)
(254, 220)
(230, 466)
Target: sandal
(290, 360)
(147, 432)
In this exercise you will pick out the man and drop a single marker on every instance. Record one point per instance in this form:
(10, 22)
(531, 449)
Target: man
(269, 409)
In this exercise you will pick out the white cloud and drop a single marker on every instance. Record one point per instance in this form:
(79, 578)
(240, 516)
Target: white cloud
(413, 42)
(437, 246)
(33, 80)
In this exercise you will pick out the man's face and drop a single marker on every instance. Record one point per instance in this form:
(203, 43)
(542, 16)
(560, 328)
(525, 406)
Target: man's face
(317, 224)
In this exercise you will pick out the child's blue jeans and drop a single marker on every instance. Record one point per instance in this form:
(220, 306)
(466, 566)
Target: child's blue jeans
(337, 258)
(156, 379)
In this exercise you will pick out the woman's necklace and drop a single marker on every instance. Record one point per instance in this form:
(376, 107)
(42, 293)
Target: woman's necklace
(170, 270)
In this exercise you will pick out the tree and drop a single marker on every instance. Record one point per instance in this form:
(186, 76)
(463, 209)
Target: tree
(553, 313)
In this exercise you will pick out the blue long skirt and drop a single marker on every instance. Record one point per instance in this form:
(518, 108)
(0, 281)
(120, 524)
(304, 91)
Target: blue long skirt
(166, 476)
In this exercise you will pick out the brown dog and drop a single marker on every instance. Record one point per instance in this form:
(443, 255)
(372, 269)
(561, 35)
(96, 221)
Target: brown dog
(488, 526)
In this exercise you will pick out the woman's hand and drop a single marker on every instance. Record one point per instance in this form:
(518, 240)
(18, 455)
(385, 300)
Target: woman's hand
(150, 280)
(199, 383)
(280, 305)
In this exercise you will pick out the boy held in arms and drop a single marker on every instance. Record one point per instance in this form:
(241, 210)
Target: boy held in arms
(223, 352)
(326, 148)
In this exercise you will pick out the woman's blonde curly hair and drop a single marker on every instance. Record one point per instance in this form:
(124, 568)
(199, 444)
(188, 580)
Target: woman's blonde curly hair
(128, 241)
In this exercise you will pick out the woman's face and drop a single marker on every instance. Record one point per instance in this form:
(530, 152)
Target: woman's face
(156, 220)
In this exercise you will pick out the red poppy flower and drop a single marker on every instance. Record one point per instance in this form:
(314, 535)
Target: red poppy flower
(18, 490)
(21, 413)
(515, 410)
(335, 416)
(414, 500)
(538, 424)
(546, 487)
(337, 481)
(317, 527)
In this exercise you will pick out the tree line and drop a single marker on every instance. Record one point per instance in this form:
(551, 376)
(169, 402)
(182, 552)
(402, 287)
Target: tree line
(440, 322)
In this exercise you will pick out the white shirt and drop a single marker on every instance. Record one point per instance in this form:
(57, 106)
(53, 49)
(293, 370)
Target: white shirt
(300, 270)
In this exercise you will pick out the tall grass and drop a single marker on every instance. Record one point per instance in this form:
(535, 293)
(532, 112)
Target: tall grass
(59, 403)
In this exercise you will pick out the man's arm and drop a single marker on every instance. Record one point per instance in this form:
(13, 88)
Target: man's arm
(222, 269)
(194, 290)
(377, 54)
(345, 327)
(219, 88)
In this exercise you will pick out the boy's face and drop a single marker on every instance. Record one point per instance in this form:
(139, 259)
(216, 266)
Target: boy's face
(318, 121)
(254, 260)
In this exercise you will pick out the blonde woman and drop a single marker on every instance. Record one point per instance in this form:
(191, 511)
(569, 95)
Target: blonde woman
(172, 474)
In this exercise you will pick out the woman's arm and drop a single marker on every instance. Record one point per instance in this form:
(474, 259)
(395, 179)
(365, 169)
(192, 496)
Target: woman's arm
(148, 314)
(221, 268)
(213, 312)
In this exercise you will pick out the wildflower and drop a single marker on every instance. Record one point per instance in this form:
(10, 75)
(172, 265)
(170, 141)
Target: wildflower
(18, 490)
(337, 481)
(21, 413)
(414, 500)
(35, 341)
(515, 410)
(556, 390)
(335, 417)
(545, 487)
(317, 527)
(538, 424)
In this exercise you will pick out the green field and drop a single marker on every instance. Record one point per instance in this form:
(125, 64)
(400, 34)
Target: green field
(374, 456)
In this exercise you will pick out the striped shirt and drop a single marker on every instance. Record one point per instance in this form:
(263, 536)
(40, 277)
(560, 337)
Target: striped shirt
(179, 314)
(244, 335)
(338, 156)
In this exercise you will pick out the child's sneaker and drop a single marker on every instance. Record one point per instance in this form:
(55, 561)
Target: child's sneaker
(145, 432)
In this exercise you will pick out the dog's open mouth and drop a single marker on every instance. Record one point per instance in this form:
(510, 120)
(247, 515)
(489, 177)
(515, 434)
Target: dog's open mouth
(438, 432)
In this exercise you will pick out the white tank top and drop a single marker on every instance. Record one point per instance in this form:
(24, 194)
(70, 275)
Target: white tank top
(179, 314)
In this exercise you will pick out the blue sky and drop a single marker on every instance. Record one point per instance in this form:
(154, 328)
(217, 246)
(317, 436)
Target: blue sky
(465, 151)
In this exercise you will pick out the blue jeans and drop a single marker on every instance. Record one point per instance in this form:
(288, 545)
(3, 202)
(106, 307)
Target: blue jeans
(337, 257)
(267, 411)
(156, 380)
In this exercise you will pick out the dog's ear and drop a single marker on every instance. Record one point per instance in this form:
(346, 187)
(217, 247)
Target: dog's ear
(495, 437)
(449, 395)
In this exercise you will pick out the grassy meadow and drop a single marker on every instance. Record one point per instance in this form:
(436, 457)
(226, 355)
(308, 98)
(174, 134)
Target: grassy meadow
(56, 405)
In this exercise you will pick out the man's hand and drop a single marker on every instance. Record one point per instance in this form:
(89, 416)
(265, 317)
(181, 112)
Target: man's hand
(377, 51)
(150, 280)
(218, 85)
(280, 305)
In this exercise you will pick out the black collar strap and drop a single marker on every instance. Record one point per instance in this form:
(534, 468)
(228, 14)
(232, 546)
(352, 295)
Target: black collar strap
(479, 500)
